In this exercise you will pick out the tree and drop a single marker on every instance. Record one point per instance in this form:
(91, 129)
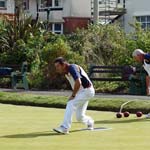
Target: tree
(100, 44)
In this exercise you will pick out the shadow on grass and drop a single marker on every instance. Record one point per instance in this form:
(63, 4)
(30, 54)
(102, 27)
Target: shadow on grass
(45, 133)
(31, 135)
(51, 133)
(121, 121)
(37, 134)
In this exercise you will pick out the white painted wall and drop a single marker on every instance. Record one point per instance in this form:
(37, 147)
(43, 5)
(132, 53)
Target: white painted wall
(135, 8)
(32, 9)
(71, 8)
(10, 7)
(53, 16)
(77, 8)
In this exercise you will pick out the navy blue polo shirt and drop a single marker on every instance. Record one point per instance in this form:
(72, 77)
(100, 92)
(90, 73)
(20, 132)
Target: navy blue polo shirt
(76, 72)
(147, 58)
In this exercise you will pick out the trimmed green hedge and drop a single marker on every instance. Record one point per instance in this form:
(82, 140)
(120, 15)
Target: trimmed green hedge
(102, 104)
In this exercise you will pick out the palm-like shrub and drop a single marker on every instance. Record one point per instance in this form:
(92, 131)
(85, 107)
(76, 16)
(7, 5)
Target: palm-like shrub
(13, 39)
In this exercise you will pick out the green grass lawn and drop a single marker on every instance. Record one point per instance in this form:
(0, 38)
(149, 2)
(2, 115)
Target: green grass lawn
(30, 128)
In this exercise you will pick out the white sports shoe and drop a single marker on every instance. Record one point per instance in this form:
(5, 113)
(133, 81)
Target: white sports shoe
(148, 116)
(90, 125)
(62, 130)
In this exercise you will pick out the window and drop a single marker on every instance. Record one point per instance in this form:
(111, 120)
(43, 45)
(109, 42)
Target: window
(101, 2)
(51, 3)
(57, 28)
(118, 1)
(144, 20)
(2, 3)
(26, 4)
(57, 3)
(46, 3)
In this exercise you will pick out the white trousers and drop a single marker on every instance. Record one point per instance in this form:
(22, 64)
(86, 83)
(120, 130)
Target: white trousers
(79, 105)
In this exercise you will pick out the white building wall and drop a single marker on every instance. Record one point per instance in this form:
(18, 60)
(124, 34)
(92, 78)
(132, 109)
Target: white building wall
(135, 8)
(10, 7)
(67, 7)
(71, 8)
(77, 8)
(32, 9)
(54, 16)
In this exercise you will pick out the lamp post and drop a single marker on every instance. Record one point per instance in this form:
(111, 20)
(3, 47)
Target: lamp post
(37, 10)
(96, 11)
(48, 13)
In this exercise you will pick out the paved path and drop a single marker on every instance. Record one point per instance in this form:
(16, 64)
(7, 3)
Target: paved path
(68, 93)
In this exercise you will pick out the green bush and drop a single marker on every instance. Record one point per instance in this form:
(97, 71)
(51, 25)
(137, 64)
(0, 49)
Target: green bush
(43, 73)
(98, 44)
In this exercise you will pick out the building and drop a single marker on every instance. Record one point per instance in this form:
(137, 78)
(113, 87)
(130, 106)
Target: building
(126, 11)
(7, 9)
(139, 10)
(64, 16)
(107, 11)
